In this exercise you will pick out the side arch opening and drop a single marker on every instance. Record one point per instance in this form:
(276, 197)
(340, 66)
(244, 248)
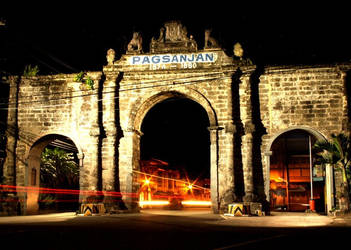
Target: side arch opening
(294, 178)
(52, 175)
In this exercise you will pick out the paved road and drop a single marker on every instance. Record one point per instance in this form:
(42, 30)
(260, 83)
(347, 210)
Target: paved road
(173, 230)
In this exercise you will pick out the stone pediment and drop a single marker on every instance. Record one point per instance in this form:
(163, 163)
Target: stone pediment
(173, 38)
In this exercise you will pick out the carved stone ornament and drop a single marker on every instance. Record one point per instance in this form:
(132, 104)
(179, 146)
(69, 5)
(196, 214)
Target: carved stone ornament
(136, 44)
(110, 56)
(173, 38)
(210, 42)
(161, 38)
(175, 31)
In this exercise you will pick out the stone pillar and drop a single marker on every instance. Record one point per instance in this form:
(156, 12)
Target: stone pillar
(81, 169)
(90, 176)
(329, 187)
(109, 167)
(247, 138)
(247, 164)
(267, 183)
(129, 161)
(110, 144)
(10, 161)
(214, 169)
(11, 134)
(228, 188)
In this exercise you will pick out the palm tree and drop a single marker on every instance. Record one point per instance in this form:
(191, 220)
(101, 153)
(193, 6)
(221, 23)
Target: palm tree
(337, 152)
(58, 170)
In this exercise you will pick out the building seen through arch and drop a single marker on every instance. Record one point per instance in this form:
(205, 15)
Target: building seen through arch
(291, 166)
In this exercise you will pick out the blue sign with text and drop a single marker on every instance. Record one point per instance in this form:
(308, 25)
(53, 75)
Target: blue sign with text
(173, 58)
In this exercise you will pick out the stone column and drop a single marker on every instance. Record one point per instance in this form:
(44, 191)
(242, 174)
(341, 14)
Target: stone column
(249, 129)
(109, 166)
(129, 161)
(11, 134)
(214, 169)
(247, 164)
(90, 176)
(81, 169)
(267, 183)
(228, 188)
(329, 187)
(90, 181)
(110, 144)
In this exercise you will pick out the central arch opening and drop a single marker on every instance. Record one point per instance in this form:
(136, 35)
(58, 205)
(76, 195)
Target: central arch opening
(175, 156)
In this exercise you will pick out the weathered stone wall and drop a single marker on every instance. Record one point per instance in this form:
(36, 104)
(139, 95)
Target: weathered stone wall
(140, 89)
(309, 98)
(51, 105)
(247, 110)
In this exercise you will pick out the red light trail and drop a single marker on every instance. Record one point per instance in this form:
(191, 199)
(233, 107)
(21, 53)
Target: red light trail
(43, 190)
(92, 194)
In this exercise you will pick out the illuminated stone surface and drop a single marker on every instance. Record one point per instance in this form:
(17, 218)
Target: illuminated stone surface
(247, 109)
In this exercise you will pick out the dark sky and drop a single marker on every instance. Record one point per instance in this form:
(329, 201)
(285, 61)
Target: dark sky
(65, 38)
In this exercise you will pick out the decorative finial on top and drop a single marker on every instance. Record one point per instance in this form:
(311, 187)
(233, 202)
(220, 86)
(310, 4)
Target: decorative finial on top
(110, 56)
(238, 50)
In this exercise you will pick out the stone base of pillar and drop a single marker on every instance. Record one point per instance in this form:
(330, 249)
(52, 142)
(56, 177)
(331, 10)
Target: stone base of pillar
(215, 209)
(114, 204)
(132, 206)
(250, 197)
(10, 205)
(228, 198)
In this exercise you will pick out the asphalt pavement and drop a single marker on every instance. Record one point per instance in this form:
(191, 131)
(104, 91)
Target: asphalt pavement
(165, 229)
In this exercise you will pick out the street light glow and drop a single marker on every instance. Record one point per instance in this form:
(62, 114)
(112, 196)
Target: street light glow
(197, 203)
(153, 203)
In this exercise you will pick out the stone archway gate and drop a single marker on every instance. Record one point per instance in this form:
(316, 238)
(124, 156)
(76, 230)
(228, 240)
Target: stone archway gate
(104, 122)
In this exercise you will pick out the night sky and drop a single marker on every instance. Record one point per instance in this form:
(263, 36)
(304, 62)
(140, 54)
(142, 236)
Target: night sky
(66, 38)
(62, 38)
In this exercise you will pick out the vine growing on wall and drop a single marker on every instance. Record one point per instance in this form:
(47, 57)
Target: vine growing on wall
(82, 77)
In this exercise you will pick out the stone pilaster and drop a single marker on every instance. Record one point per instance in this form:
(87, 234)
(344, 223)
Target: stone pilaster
(228, 189)
(247, 142)
(214, 169)
(12, 133)
(110, 144)
(247, 138)
(91, 176)
(129, 161)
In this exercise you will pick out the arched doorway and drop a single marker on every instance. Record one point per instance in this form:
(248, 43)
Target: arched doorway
(294, 178)
(52, 175)
(175, 155)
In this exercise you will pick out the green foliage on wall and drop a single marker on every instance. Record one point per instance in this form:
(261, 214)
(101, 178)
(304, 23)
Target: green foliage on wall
(85, 79)
(30, 70)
